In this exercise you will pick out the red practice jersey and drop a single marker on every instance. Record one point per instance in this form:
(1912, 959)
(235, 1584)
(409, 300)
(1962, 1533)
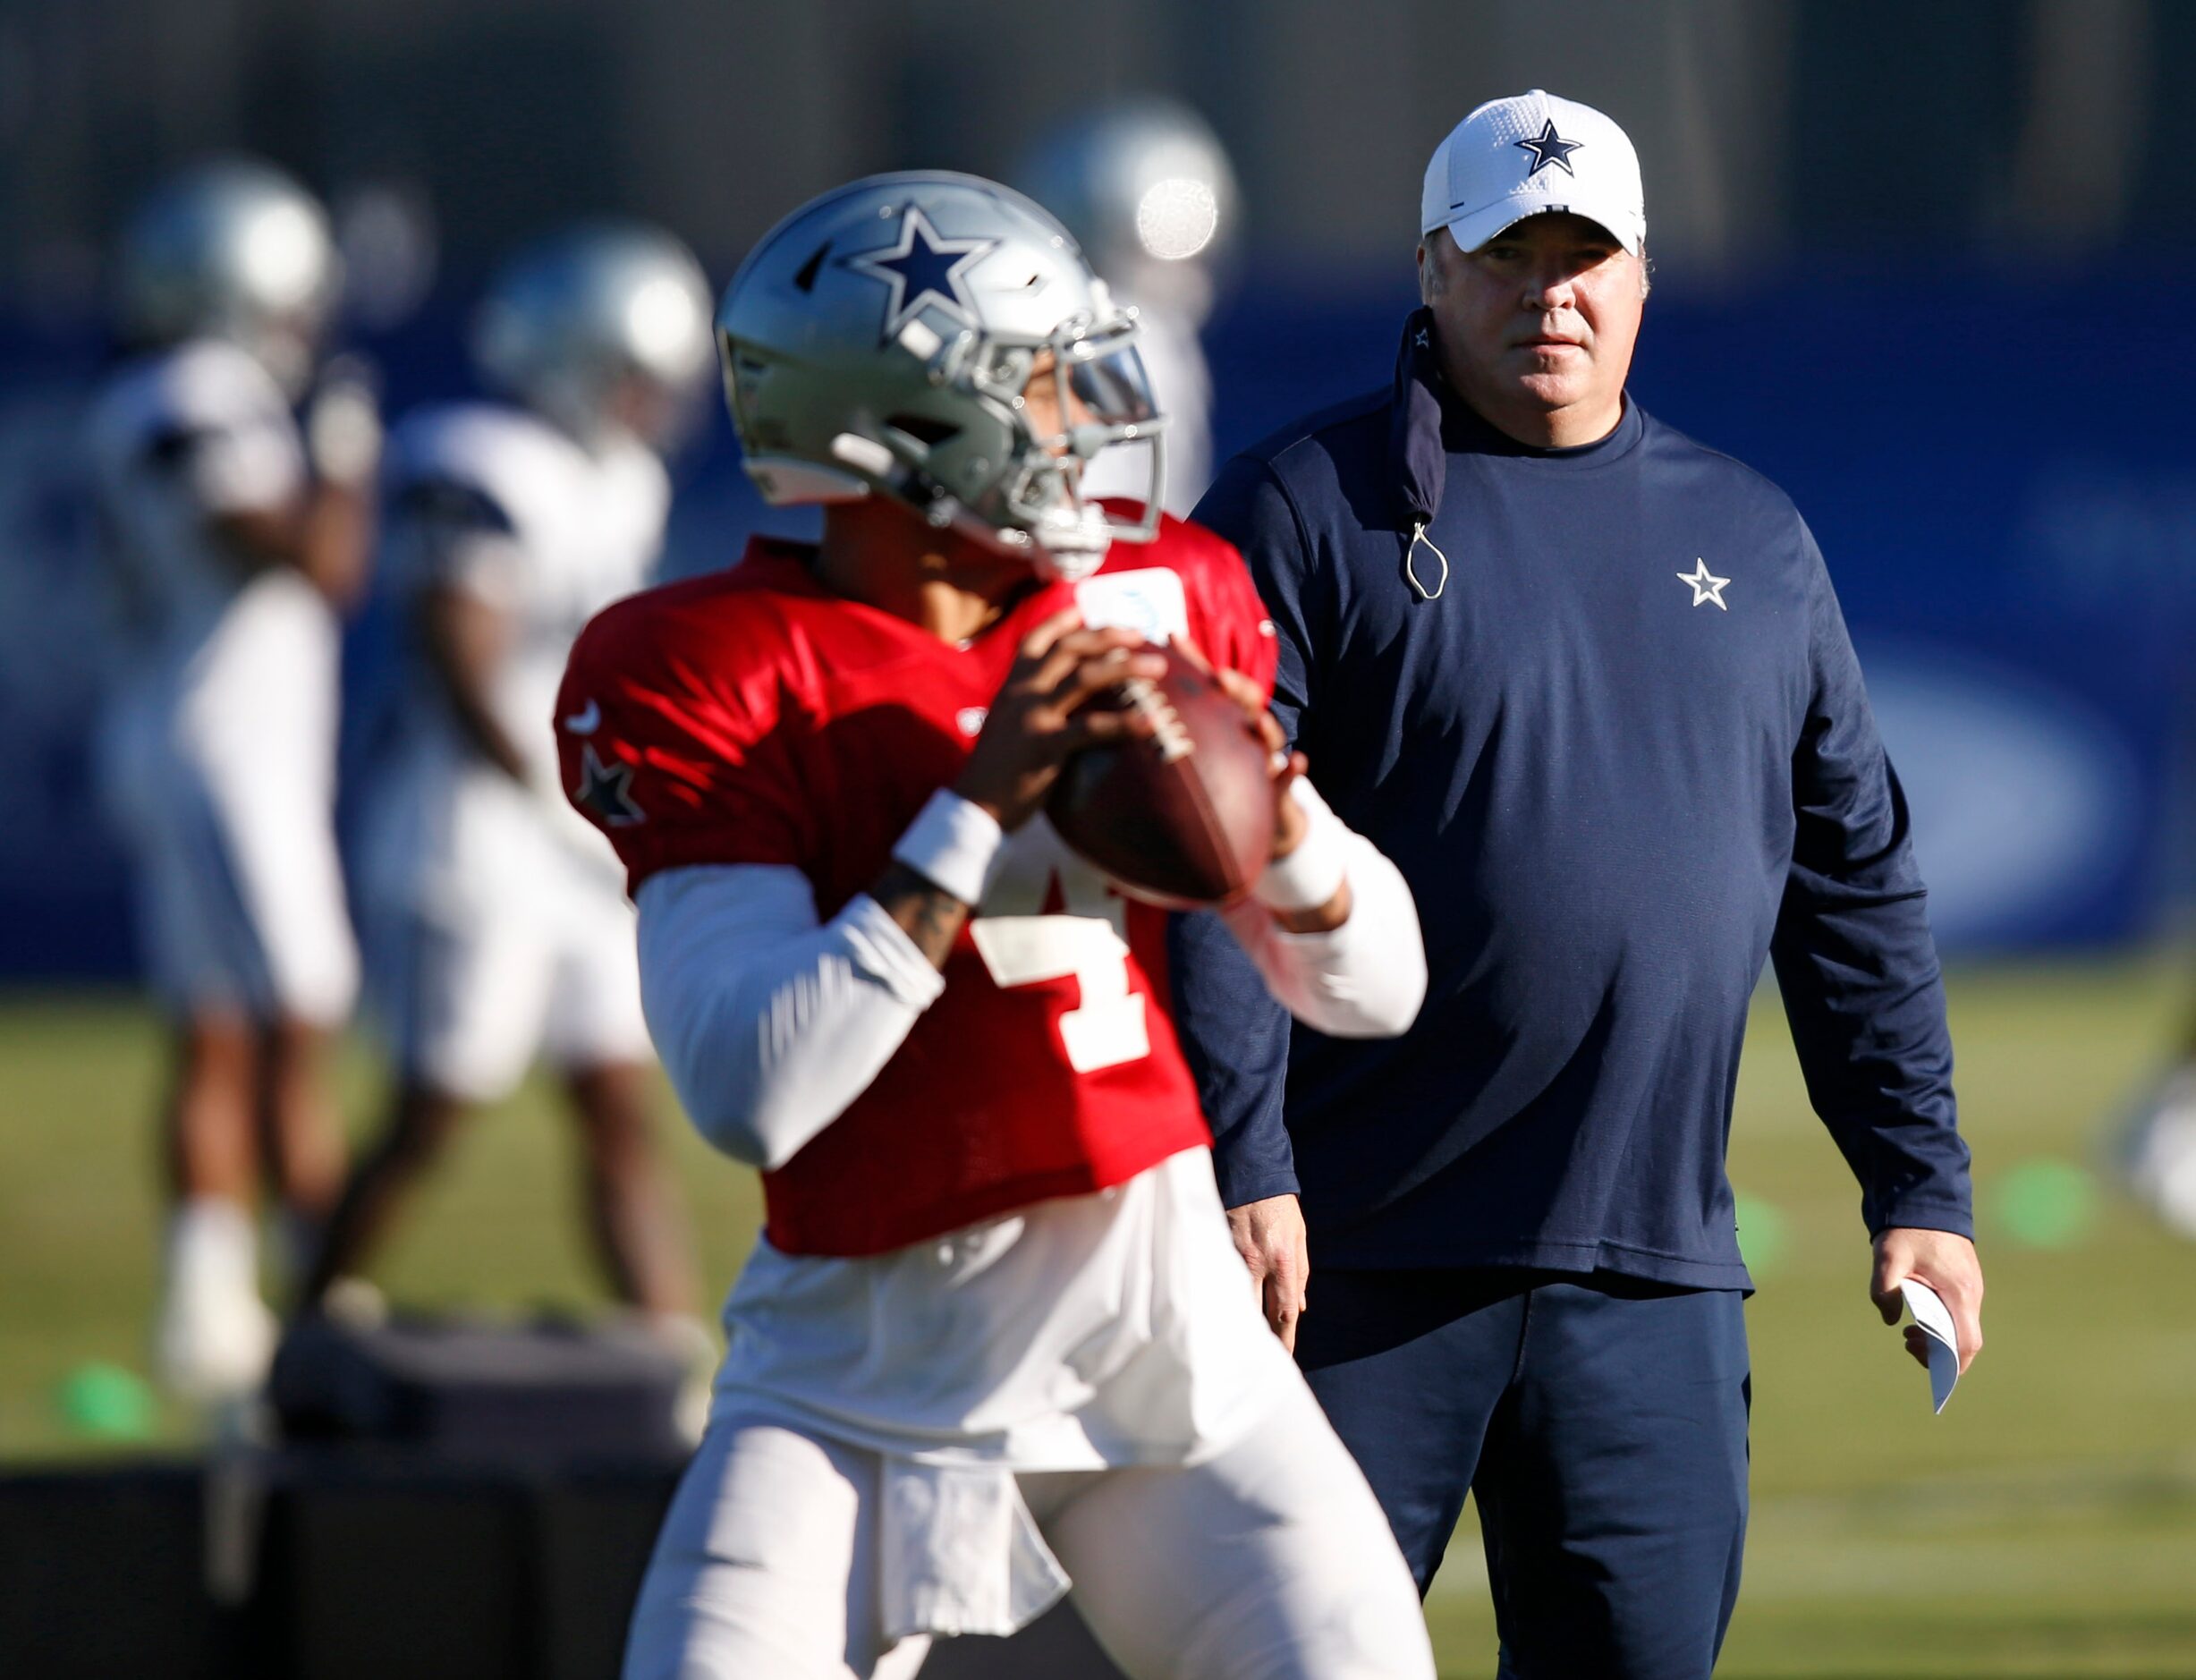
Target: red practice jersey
(754, 717)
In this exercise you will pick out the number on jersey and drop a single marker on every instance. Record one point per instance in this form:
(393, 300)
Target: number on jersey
(1020, 946)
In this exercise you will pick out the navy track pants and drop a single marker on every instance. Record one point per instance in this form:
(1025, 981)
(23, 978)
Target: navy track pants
(1599, 1420)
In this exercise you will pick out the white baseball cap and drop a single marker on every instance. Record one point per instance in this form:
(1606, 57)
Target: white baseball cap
(1528, 154)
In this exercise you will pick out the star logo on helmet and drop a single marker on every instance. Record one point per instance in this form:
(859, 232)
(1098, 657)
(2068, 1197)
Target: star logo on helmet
(1547, 147)
(921, 269)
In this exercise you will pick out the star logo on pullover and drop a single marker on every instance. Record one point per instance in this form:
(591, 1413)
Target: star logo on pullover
(1706, 585)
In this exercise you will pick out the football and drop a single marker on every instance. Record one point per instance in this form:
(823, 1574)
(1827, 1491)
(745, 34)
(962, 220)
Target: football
(1184, 817)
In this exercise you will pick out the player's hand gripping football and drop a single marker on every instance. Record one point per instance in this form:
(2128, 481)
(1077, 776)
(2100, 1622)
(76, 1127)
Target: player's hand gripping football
(1040, 715)
(1291, 823)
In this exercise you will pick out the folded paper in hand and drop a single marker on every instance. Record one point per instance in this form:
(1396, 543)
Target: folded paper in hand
(1936, 1321)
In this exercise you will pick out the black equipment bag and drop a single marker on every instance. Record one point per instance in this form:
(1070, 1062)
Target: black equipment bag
(471, 1388)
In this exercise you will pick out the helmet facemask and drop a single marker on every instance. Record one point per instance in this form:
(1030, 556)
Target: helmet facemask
(1096, 396)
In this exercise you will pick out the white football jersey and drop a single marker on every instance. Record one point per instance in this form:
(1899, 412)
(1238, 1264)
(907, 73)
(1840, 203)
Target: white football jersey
(218, 749)
(496, 503)
(176, 440)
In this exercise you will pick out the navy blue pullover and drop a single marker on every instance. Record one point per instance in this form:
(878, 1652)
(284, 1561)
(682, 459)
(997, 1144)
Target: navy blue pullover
(1623, 755)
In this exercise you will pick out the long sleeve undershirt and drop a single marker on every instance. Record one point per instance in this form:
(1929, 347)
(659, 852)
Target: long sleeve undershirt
(771, 1023)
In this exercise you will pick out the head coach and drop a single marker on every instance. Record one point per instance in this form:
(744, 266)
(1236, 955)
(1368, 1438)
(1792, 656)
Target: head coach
(1586, 682)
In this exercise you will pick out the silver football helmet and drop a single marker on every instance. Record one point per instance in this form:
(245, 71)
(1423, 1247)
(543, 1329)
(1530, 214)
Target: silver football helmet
(604, 329)
(883, 336)
(1147, 187)
(236, 250)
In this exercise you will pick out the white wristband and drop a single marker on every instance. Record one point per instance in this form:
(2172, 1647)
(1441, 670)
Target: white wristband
(950, 843)
(1313, 873)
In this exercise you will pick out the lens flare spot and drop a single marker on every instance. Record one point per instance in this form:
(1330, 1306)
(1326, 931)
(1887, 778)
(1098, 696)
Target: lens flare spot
(663, 320)
(1177, 217)
(283, 254)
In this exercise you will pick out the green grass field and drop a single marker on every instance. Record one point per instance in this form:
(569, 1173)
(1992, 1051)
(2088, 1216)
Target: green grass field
(2044, 1524)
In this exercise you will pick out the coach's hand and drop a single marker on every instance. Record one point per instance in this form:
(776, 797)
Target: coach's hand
(1269, 1235)
(1945, 1261)
(1038, 717)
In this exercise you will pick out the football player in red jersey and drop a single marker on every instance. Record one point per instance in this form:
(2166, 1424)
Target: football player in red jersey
(995, 1343)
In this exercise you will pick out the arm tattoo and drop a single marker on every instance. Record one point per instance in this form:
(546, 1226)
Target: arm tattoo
(931, 915)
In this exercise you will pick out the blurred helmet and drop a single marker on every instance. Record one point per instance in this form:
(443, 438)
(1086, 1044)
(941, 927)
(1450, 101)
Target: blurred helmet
(603, 328)
(1148, 189)
(882, 339)
(236, 250)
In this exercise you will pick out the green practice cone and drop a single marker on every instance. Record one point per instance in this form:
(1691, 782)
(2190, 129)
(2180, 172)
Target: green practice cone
(107, 1402)
(2046, 1203)
(1764, 1236)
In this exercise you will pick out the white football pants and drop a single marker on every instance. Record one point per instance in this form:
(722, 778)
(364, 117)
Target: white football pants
(220, 769)
(1270, 1561)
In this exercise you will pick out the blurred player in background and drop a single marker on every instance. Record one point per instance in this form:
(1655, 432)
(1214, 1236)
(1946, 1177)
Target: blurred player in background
(995, 1326)
(1146, 190)
(235, 536)
(2158, 1147)
(497, 922)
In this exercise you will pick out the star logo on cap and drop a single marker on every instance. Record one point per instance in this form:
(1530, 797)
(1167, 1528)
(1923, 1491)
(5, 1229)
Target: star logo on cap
(1547, 147)
(606, 789)
(923, 269)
